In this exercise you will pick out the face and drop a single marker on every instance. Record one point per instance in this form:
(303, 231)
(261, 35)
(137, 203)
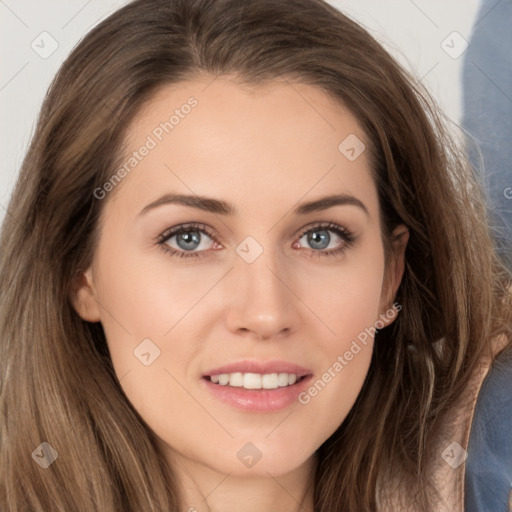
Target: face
(240, 272)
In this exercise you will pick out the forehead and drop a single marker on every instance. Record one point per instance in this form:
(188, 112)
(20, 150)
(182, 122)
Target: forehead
(214, 136)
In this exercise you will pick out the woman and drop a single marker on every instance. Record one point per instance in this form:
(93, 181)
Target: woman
(244, 267)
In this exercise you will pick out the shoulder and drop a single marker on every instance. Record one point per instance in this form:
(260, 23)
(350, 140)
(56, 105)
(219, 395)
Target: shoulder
(488, 475)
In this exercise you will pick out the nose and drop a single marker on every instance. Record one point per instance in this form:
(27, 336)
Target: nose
(263, 304)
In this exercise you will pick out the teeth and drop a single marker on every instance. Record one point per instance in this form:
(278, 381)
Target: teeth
(223, 379)
(269, 381)
(252, 381)
(255, 380)
(236, 380)
(282, 379)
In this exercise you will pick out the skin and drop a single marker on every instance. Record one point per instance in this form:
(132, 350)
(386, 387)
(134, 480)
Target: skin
(264, 149)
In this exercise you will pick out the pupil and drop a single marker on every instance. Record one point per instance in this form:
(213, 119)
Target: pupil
(319, 239)
(187, 240)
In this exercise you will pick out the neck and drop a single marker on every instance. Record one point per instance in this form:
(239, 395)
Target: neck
(207, 490)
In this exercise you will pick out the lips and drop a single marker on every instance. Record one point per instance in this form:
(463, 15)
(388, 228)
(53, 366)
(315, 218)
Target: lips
(256, 386)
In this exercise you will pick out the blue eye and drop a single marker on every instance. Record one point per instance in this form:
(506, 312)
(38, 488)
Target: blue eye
(196, 240)
(319, 238)
(190, 240)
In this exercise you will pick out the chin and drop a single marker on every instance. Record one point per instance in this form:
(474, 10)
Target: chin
(259, 460)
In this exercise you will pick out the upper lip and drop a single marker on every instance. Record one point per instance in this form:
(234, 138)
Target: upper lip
(263, 367)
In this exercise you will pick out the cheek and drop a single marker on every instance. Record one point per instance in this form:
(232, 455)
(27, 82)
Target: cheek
(346, 297)
(150, 297)
(149, 311)
(347, 301)
(154, 314)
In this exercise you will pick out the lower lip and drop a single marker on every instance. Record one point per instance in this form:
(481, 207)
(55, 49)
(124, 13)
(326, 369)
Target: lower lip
(258, 400)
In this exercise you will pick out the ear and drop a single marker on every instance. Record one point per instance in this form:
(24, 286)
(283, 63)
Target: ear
(393, 274)
(84, 297)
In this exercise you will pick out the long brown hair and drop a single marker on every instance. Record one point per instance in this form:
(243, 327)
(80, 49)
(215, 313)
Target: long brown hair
(57, 381)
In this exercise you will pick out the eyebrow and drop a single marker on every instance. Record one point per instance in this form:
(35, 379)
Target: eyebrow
(220, 207)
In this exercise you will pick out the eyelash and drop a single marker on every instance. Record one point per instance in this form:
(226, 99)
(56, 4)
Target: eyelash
(347, 236)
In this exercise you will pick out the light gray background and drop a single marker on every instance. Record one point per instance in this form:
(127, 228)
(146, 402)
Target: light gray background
(412, 30)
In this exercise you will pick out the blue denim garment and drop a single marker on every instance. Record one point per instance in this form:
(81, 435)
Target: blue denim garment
(488, 479)
(487, 92)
